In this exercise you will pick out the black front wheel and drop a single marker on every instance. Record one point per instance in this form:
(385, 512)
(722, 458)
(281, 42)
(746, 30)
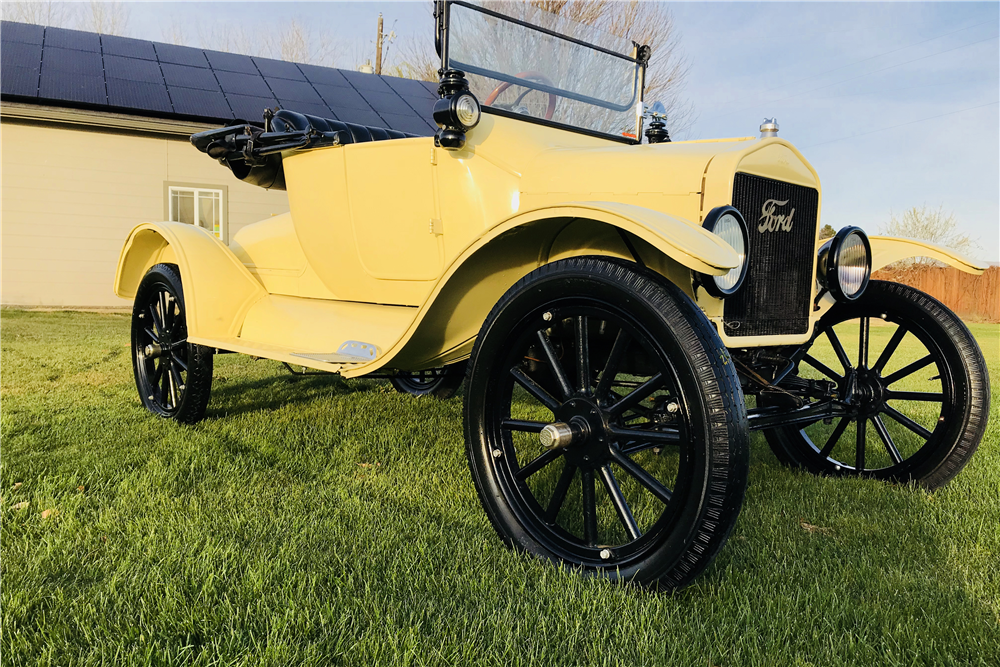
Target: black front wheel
(910, 380)
(173, 376)
(605, 426)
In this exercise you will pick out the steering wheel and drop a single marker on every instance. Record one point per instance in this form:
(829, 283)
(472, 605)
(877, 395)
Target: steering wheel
(531, 76)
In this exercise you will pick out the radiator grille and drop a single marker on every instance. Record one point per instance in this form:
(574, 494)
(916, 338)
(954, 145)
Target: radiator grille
(774, 298)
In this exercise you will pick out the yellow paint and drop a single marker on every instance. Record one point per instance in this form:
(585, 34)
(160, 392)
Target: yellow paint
(408, 247)
(886, 250)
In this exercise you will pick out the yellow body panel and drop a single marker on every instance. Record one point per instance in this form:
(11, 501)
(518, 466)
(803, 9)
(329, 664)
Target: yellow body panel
(407, 247)
(886, 250)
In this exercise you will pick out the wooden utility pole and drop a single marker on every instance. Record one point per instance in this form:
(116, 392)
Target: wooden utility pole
(378, 47)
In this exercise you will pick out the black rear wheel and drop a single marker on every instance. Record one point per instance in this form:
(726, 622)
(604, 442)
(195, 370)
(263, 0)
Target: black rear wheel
(173, 376)
(912, 381)
(437, 382)
(606, 428)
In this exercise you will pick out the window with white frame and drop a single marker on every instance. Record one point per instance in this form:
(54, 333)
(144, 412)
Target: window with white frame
(198, 206)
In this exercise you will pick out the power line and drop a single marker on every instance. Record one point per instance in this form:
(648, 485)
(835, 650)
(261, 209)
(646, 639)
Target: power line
(878, 55)
(893, 127)
(907, 62)
(836, 83)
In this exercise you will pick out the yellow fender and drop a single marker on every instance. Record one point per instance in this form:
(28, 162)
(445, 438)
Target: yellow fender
(449, 320)
(888, 249)
(218, 289)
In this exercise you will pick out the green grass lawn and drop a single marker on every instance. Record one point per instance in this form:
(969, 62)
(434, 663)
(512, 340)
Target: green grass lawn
(310, 520)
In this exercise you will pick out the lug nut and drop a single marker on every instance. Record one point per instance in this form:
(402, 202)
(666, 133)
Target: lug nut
(547, 317)
(497, 453)
(673, 407)
(605, 554)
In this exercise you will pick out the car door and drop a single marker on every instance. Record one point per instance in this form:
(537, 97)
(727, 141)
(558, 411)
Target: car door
(390, 187)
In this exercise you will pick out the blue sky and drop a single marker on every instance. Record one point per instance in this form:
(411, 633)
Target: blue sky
(895, 104)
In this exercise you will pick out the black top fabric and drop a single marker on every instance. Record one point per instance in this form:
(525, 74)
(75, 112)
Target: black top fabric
(71, 68)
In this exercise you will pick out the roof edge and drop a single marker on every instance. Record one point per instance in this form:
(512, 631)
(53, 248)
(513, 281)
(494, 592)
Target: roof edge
(107, 119)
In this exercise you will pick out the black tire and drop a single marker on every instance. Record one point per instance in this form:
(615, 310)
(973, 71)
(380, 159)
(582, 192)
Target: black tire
(931, 445)
(173, 376)
(437, 382)
(692, 447)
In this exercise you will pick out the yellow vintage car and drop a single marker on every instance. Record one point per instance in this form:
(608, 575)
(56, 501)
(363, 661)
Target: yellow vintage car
(609, 303)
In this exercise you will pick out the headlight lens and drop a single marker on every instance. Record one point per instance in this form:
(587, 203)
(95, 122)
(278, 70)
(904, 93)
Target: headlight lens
(727, 223)
(467, 111)
(846, 264)
(853, 265)
(729, 230)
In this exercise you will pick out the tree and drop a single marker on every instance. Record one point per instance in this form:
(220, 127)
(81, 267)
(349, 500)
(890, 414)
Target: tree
(48, 13)
(931, 225)
(107, 18)
(827, 232)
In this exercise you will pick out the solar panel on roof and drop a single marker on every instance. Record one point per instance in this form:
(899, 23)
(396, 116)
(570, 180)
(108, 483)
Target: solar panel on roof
(384, 103)
(132, 69)
(21, 81)
(278, 69)
(250, 108)
(326, 76)
(338, 97)
(300, 91)
(73, 62)
(365, 82)
(424, 106)
(202, 103)
(189, 77)
(408, 87)
(138, 95)
(243, 84)
(432, 87)
(231, 62)
(180, 55)
(71, 87)
(24, 33)
(16, 54)
(72, 39)
(304, 107)
(411, 124)
(123, 46)
(360, 116)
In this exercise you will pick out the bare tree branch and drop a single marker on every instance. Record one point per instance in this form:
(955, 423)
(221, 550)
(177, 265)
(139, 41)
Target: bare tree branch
(931, 225)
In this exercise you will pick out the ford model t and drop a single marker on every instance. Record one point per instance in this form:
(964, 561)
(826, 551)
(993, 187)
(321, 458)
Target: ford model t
(613, 305)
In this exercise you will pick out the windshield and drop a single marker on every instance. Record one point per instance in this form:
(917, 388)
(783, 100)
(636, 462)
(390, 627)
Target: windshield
(531, 66)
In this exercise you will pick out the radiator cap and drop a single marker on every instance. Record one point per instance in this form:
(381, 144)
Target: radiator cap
(769, 128)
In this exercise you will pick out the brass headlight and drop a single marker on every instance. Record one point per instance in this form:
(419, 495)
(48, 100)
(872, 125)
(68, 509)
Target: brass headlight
(845, 264)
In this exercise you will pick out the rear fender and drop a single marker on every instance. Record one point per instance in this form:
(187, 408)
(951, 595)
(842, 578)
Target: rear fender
(218, 289)
(448, 322)
(888, 249)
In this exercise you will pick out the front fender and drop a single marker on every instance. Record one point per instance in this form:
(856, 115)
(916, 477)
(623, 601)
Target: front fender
(449, 320)
(888, 249)
(218, 289)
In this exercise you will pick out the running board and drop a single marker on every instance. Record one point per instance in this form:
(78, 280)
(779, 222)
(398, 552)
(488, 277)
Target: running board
(351, 352)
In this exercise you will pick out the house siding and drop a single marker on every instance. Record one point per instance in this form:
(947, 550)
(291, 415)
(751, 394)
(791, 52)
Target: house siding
(70, 197)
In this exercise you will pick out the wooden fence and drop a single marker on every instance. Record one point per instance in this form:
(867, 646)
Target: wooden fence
(973, 298)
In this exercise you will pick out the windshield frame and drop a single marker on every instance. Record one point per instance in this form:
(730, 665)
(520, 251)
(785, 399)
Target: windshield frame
(442, 14)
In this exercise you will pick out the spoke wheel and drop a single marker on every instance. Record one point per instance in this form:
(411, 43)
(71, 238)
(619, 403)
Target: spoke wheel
(437, 382)
(173, 376)
(625, 365)
(912, 381)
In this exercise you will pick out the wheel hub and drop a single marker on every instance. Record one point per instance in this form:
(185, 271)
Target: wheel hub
(582, 430)
(869, 391)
